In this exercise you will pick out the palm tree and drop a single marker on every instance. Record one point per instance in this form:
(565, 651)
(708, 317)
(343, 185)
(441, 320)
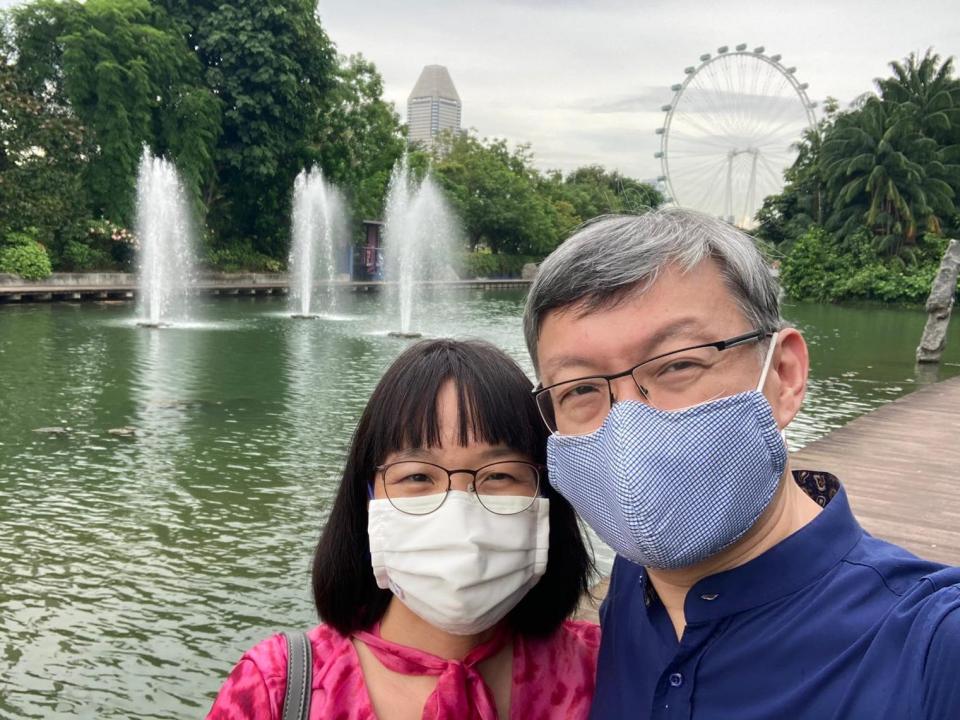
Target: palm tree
(926, 94)
(883, 173)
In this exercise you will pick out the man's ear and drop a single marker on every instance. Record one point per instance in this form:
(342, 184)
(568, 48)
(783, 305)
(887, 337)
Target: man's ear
(790, 367)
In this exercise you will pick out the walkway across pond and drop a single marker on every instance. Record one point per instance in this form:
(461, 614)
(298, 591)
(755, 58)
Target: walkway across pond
(123, 286)
(900, 465)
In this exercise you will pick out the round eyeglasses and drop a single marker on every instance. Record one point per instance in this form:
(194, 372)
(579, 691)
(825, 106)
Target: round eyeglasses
(675, 379)
(418, 488)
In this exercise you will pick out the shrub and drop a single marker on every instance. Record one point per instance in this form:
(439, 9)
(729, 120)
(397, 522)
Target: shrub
(820, 269)
(241, 258)
(112, 247)
(20, 239)
(21, 255)
(494, 265)
(80, 257)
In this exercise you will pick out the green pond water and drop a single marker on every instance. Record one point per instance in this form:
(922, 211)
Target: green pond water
(135, 570)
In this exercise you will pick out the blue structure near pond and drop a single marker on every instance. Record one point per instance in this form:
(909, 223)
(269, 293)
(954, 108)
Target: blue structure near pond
(366, 261)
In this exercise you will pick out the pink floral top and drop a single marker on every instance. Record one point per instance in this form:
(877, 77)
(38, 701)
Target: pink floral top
(552, 677)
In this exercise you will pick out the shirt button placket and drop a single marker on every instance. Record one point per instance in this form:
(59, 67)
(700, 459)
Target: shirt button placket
(672, 702)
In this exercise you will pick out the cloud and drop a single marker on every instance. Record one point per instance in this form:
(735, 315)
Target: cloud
(644, 100)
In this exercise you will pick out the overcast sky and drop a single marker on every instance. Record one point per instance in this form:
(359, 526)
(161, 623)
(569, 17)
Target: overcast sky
(583, 80)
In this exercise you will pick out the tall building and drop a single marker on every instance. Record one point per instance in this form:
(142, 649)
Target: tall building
(433, 106)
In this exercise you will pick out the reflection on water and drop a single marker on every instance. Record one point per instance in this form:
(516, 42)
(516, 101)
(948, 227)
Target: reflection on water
(136, 566)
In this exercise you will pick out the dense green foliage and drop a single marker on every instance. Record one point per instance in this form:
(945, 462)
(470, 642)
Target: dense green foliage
(873, 191)
(241, 95)
(360, 137)
(271, 66)
(127, 76)
(42, 151)
(819, 269)
(508, 206)
(21, 254)
(591, 191)
(494, 191)
(104, 245)
(494, 265)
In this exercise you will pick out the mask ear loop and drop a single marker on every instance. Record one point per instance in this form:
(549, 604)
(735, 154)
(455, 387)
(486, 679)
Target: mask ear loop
(766, 370)
(766, 361)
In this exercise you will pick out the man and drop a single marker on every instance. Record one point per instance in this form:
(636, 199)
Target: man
(741, 589)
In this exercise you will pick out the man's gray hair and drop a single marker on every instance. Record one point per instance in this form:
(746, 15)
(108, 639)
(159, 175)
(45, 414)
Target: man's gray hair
(609, 257)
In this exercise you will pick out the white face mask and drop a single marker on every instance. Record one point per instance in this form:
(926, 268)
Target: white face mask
(461, 568)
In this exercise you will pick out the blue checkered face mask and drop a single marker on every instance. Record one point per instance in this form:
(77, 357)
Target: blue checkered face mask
(669, 489)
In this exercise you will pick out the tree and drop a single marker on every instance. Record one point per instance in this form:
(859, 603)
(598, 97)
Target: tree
(126, 73)
(495, 192)
(592, 190)
(889, 165)
(802, 202)
(883, 175)
(42, 155)
(925, 93)
(359, 136)
(271, 66)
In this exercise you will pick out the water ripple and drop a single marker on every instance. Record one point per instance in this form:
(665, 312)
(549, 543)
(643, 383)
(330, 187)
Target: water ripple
(136, 566)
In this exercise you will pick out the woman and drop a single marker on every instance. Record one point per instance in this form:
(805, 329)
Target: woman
(448, 566)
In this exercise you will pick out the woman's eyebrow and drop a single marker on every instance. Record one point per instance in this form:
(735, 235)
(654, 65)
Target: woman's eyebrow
(495, 453)
(413, 454)
(427, 455)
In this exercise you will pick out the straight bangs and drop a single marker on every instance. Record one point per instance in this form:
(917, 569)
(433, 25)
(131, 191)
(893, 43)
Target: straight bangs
(488, 388)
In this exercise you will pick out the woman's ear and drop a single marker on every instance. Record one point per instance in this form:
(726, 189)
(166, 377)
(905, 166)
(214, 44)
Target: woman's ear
(790, 367)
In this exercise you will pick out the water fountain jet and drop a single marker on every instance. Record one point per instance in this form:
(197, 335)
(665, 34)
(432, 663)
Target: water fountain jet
(319, 228)
(164, 232)
(419, 232)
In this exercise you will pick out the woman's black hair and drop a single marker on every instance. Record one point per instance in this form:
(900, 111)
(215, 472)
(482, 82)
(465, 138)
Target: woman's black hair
(495, 406)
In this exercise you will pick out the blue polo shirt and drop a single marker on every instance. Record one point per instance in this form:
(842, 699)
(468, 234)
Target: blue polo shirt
(830, 623)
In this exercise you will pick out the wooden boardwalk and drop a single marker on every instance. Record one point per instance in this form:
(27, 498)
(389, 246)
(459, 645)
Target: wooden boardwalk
(268, 285)
(900, 465)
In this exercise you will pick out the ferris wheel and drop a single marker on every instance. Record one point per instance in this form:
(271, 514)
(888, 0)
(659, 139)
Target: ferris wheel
(729, 132)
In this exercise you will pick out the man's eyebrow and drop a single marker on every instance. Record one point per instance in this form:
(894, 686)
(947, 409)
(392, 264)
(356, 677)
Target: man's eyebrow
(690, 327)
(562, 362)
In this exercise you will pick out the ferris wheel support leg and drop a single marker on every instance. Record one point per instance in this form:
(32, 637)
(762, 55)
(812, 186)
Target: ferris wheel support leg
(751, 190)
(728, 192)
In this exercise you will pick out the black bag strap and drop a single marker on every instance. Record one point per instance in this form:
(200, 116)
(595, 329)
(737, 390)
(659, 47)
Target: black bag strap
(296, 699)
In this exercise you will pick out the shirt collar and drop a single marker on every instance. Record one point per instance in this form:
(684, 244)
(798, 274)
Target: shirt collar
(787, 567)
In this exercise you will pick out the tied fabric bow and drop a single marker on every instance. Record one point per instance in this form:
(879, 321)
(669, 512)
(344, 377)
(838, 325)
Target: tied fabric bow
(461, 693)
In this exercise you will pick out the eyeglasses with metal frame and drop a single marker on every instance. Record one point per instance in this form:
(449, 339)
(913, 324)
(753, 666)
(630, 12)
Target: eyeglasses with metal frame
(491, 484)
(580, 405)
